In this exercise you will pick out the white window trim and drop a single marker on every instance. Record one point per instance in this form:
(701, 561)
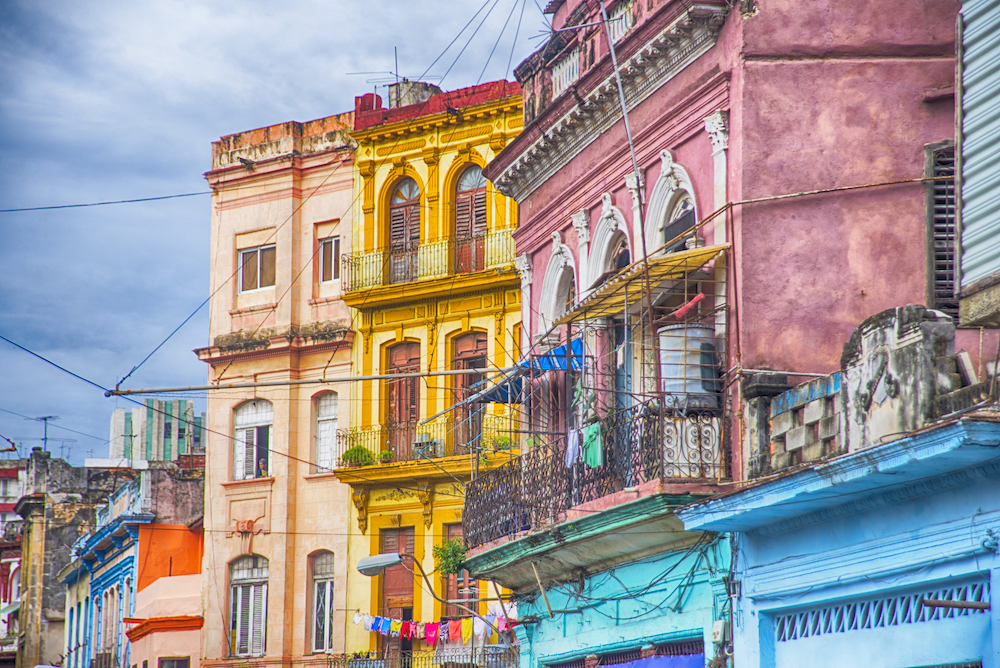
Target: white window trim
(239, 271)
(327, 582)
(265, 419)
(334, 240)
(325, 460)
(565, 72)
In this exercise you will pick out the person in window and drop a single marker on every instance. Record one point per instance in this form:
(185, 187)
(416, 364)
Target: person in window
(261, 469)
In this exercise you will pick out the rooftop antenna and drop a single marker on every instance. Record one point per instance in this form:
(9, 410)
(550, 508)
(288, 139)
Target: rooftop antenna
(395, 57)
(45, 434)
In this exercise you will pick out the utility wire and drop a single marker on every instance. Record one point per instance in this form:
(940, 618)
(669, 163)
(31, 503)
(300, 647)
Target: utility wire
(497, 43)
(517, 31)
(120, 201)
(52, 424)
(469, 41)
(454, 39)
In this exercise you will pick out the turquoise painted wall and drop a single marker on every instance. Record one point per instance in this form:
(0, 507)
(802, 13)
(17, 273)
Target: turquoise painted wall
(671, 597)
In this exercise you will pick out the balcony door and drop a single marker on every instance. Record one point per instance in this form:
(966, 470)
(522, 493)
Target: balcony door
(470, 221)
(397, 590)
(402, 399)
(469, 352)
(404, 231)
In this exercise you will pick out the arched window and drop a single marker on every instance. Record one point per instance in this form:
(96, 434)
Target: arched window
(252, 445)
(470, 221)
(680, 219)
(248, 606)
(322, 574)
(620, 256)
(326, 431)
(404, 231)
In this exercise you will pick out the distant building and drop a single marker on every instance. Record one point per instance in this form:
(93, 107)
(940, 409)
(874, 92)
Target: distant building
(59, 504)
(158, 431)
(11, 488)
(137, 572)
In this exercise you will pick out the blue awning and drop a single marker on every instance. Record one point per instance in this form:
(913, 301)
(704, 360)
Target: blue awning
(685, 661)
(507, 392)
(555, 359)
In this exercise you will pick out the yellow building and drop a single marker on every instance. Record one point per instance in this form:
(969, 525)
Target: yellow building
(433, 290)
(276, 517)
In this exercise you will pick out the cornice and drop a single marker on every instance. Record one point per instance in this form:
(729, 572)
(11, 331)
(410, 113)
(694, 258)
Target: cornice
(430, 123)
(399, 294)
(297, 346)
(679, 44)
(159, 624)
(440, 468)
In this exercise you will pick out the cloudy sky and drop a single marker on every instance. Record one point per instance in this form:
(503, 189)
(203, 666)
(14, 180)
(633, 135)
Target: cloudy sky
(106, 100)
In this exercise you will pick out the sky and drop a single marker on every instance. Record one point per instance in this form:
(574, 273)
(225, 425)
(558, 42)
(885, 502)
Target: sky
(105, 100)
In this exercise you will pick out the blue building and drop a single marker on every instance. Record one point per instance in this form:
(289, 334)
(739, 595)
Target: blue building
(883, 553)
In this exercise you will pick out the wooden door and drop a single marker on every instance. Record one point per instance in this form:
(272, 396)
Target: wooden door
(397, 590)
(402, 399)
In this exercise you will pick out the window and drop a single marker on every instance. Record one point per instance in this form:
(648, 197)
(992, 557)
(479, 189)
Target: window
(397, 586)
(323, 571)
(680, 220)
(182, 662)
(470, 221)
(251, 447)
(565, 72)
(469, 352)
(326, 431)
(248, 605)
(941, 224)
(329, 263)
(404, 231)
(257, 268)
(460, 587)
(620, 20)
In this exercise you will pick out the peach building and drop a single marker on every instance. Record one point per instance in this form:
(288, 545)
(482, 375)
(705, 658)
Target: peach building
(276, 517)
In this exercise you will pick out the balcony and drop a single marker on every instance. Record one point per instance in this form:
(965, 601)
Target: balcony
(389, 443)
(641, 444)
(364, 270)
(491, 656)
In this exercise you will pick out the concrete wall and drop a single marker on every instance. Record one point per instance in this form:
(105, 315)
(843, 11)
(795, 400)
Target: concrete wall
(177, 596)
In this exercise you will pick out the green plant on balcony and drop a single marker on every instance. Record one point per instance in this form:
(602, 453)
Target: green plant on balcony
(386, 456)
(358, 456)
(449, 556)
(501, 442)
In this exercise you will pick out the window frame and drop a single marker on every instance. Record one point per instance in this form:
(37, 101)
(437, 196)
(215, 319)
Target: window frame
(333, 242)
(942, 252)
(327, 466)
(327, 582)
(258, 589)
(160, 661)
(259, 427)
(241, 264)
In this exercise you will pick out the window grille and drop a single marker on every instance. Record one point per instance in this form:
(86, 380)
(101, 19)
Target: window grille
(681, 648)
(615, 658)
(565, 72)
(879, 613)
(620, 20)
(943, 231)
(323, 606)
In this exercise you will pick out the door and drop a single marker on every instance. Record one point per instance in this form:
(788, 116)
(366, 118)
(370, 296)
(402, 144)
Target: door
(404, 232)
(402, 400)
(397, 592)
(469, 352)
(470, 221)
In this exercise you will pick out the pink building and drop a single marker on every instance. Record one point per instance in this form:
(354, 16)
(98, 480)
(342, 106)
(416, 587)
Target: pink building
(730, 104)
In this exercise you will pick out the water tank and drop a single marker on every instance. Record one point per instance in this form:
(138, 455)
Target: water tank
(689, 369)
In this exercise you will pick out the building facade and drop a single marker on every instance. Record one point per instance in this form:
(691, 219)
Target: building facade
(146, 529)
(435, 297)
(159, 431)
(886, 555)
(276, 518)
(773, 152)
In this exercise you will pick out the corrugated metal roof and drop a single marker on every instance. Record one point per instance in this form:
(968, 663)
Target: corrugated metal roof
(980, 140)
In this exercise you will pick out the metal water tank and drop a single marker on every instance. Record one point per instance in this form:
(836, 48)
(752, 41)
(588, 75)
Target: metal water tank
(689, 370)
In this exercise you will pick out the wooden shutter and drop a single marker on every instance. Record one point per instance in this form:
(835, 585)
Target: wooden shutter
(397, 227)
(259, 630)
(943, 281)
(479, 213)
(397, 581)
(245, 594)
(240, 448)
(463, 216)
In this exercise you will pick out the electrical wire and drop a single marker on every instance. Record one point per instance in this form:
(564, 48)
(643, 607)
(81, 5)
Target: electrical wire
(454, 39)
(497, 43)
(120, 201)
(469, 41)
(51, 425)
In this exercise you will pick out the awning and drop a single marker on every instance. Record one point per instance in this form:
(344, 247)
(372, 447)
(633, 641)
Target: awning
(13, 607)
(555, 359)
(629, 286)
(507, 392)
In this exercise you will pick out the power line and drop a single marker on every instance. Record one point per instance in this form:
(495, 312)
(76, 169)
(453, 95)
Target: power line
(497, 43)
(469, 41)
(56, 426)
(119, 201)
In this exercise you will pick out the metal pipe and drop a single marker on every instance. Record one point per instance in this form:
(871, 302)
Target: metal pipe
(781, 373)
(311, 381)
(962, 605)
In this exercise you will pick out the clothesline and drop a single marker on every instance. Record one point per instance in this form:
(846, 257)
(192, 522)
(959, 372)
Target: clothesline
(433, 633)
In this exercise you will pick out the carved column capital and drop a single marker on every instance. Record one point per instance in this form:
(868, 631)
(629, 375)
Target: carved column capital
(523, 265)
(717, 126)
(359, 496)
(581, 223)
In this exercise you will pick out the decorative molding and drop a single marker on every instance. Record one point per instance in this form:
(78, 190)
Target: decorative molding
(425, 492)
(717, 127)
(609, 223)
(672, 183)
(688, 37)
(560, 261)
(523, 265)
(359, 496)
(581, 223)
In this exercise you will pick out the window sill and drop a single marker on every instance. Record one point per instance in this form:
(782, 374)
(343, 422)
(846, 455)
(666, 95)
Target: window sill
(253, 309)
(328, 475)
(251, 483)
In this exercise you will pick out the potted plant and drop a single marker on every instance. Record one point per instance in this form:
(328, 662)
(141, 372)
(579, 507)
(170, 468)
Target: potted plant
(357, 456)
(386, 456)
(449, 556)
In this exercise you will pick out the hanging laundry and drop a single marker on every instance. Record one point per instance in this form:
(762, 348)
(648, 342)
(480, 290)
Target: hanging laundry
(466, 630)
(455, 630)
(444, 632)
(395, 627)
(366, 622)
(431, 633)
(376, 624)
(593, 448)
(357, 618)
(572, 447)
(479, 628)
(386, 626)
(501, 623)
(491, 620)
(420, 631)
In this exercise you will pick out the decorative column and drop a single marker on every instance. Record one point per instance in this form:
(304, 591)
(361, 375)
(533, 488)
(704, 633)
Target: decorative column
(581, 223)
(523, 265)
(636, 184)
(717, 127)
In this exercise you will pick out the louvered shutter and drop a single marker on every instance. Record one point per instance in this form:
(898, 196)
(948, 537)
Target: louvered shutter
(243, 619)
(249, 451)
(259, 630)
(944, 233)
(463, 216)
(240, 453)
(479, 213)
(397, 227)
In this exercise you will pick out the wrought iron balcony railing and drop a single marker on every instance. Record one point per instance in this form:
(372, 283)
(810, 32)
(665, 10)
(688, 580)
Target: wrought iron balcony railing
(640, 444)
(490, 656)
(417, 262)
